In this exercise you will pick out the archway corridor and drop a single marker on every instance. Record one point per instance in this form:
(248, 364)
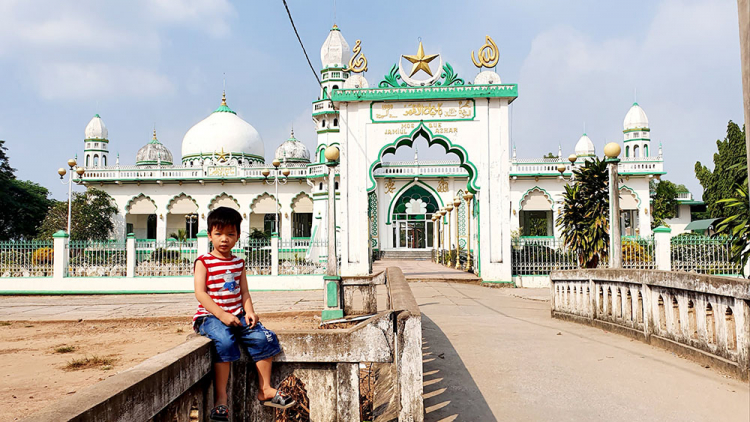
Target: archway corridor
(496, 354)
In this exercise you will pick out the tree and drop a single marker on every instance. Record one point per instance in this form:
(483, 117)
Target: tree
(550, 155)
(665, 201)
(722, 182)
(585, 214)
(23, 204)
(91, 216)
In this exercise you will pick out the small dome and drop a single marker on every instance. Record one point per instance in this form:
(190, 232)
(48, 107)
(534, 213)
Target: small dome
(635, 119)
(293, 151)
(335, 51)
(584, 147)
(223, 131)
(96, 129)
(153, 153)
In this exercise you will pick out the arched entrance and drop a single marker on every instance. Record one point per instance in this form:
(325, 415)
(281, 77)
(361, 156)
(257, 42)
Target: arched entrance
(411, 215)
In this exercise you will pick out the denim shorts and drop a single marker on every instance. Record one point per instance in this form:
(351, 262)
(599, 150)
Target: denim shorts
(260, 342)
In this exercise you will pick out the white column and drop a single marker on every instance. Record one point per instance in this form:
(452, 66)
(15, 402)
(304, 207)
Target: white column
(274, 255)
(662, 248)
(286, 224)
(161, 226)
(245, 226)
(130, 255)
(202, 239)
(60, 260)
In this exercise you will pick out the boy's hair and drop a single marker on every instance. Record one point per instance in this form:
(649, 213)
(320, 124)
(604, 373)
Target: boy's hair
(222, 217)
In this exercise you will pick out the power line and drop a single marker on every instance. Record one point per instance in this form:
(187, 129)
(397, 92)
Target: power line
(300, 43)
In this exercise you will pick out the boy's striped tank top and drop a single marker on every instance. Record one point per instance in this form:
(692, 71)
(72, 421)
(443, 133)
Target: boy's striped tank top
(223, 283)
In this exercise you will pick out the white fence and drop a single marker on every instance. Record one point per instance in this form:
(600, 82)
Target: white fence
(30, 258)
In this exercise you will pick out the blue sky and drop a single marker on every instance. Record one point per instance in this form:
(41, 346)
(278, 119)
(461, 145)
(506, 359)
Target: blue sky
(141, 63)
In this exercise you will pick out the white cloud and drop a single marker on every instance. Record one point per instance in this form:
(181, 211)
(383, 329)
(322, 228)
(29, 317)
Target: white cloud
(570, 77)
(208, 15)
(98, 80)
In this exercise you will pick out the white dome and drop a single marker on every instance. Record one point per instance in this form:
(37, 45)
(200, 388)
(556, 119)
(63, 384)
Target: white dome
(153, 153)
(223, 132)
(293, 151)
(96, 129)
(635, 119)
(584, 147)
(335, 51)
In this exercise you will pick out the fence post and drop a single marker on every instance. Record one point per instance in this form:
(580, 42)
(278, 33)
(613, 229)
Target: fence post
(202, 241)
(663, 248)
(274, 254)
(130, 259)
(60, 260)
(648, 311)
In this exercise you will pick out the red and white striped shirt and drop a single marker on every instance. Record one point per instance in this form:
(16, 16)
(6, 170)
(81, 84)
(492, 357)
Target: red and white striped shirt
(223, 283)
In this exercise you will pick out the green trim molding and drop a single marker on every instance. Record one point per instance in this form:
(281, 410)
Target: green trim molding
(662, 229)
(403, 189)
(508, 91)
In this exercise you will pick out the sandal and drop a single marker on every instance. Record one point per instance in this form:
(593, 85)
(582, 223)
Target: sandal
(220, 413)
(279, 401)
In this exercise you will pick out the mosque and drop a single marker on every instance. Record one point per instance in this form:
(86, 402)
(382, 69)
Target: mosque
(482, 194)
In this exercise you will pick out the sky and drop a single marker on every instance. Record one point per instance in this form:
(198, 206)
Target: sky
(142, 64)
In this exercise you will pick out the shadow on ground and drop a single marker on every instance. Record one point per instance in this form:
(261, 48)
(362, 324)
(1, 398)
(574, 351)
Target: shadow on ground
(450, 393)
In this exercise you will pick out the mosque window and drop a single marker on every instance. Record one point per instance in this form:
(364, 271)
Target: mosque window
(96, 144)
(336, 186)
(88, 164)
(323, 123)
(335, 122)
(627, 151)
(636, 151)
(645, 150)
(96, 161)
(320, 187)
(104, 160)
(335, 87)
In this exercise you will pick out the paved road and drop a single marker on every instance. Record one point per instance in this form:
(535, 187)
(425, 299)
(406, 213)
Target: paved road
(425, 271)
(36, 308)
(495, 354)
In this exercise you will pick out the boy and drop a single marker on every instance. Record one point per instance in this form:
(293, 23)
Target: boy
(226, 314)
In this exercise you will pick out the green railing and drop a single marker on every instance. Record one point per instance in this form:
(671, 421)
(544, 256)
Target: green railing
(540, 255)
(26, 258)
(702, 254)
(96, 259)
(165, 258)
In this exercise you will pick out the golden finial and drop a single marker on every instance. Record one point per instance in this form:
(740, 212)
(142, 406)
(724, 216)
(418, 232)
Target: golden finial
(224, 98)
(360, 64)
(488, 55)
(154, 134)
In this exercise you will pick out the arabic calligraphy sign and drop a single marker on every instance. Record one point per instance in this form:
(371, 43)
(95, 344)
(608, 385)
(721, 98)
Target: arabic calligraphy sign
(415, 111)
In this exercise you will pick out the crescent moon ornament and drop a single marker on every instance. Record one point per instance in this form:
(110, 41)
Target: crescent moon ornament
(414, 82)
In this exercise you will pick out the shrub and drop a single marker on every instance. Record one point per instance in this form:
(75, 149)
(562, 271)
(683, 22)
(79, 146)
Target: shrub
(44, 256)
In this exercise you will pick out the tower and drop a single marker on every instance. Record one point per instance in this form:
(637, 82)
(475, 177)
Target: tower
(96, 143)
(636, 133)
(334, 56)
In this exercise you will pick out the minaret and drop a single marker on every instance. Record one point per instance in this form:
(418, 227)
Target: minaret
(636, 133)
(96, 144)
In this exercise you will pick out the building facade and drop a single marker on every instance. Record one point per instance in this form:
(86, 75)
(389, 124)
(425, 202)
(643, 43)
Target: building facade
(382, 204)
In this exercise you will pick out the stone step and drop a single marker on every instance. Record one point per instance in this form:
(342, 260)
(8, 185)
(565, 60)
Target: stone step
(406, 255)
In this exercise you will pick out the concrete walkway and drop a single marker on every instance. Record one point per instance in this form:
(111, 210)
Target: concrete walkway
(37, 308)
(495, 354)
(426, 271)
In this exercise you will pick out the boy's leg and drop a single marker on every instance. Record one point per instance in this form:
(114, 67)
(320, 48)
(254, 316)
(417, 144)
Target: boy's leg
(265, 391)
(221, 378)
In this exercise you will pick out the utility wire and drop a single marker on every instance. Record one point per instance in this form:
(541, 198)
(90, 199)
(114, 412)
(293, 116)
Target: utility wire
(300, 43)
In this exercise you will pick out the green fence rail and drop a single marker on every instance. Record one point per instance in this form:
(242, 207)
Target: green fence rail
(28, 258)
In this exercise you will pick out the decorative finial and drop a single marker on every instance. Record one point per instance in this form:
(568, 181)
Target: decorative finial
(154, 133)
(360, 64)
(224, 98)
(488, 55)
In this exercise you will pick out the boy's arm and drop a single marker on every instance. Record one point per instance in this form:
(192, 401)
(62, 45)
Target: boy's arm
(201, 293)
(251, 318)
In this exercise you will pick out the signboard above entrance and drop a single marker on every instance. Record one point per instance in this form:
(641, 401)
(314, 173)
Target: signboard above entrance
(415, 111)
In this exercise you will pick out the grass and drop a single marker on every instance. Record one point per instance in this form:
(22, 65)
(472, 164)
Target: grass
(65, 349)
(104, 363)
(5, 323)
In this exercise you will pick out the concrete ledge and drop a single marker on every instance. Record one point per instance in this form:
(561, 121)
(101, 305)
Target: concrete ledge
(604, 325)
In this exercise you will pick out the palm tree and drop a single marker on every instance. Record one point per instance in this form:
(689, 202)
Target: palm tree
(585, 215)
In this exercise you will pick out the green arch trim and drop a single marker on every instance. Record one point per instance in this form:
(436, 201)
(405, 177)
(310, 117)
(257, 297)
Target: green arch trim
(544, 192)
(211, 202)
(260, 196)
(321, 150)
(294, 198)
(403, 189)
(140, 195)
(632, 192)
(169, 204)
(408, 140)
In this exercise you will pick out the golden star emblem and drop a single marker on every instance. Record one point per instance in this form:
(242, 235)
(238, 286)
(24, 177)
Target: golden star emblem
(420, 61)
(222, 155)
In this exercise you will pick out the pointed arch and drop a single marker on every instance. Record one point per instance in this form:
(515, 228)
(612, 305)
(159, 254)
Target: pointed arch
(264, 204)
(432, 139)
(181, 204)
(394, 200)
(632, 192)
(302, 203)
(536, 190)
(223, 200)
(141, 204)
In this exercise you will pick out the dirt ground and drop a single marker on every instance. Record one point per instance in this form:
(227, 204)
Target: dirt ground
(41, 362)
